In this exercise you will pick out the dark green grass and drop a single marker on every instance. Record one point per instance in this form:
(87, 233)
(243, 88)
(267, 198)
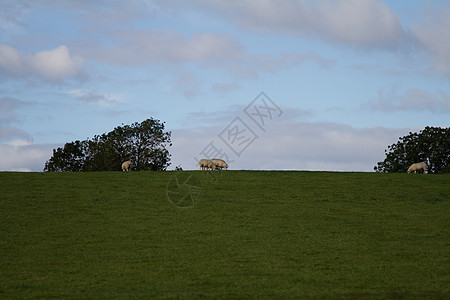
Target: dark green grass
(251, 234)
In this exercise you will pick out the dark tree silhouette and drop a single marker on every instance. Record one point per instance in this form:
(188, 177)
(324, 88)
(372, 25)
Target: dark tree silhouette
(430, 145)
(145, 144)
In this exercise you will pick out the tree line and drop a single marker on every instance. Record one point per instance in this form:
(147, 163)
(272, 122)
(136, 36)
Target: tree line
(431, 145)
(145, 144)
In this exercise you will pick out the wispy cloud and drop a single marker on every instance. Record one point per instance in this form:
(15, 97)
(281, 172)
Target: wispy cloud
(174, 54)
(8, 116)
(251, 65)
(137, 47)
(94, 97)
(224, 117)
(12, 12)
(8, 133)
(8, 107)
(434, 38)
(222, 88)
(410, 100)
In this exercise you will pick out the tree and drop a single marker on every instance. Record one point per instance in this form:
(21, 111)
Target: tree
(68, 159)
(143, 143)
(430, 145)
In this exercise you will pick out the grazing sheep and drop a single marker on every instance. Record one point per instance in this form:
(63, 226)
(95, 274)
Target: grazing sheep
(203, 163)
(211, 165)
(206, 164)
(220, 163)
(417, 167)
(126, 166)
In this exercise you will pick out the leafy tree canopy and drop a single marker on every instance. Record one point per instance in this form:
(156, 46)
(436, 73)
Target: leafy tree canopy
(145, 144)
(430, 145)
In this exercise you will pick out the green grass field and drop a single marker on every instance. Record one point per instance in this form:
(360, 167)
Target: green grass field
(249, 234)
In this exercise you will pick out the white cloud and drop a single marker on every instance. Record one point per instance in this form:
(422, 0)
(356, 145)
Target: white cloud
(363, 23)
(56, 64)
(369, 24)
(21, 155)
(356, 22)
(52, 65)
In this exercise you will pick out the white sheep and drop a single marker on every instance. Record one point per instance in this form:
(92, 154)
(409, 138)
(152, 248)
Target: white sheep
(206, 164)
(417, 167)
(126, 166)
(220, 163)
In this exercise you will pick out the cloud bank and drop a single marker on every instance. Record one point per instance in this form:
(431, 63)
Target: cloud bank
(360, 24)
(24, 156)
(293, 146)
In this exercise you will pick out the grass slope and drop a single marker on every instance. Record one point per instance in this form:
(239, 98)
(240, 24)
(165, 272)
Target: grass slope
(250, 234)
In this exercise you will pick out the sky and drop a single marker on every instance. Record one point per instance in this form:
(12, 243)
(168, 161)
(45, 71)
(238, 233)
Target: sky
(264, 84)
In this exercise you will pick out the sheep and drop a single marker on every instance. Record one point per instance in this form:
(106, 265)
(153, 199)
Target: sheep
(203, 163)
(211, 165)
(126, 166)
(417, 167)
(206, 164)
(220, 163)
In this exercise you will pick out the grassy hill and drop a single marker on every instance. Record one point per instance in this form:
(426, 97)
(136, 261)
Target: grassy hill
(230, 234)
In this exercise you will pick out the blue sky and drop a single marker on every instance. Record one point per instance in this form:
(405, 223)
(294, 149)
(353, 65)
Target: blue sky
(348, 76)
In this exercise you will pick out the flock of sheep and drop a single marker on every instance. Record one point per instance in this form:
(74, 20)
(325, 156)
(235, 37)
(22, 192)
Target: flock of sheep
(215, 163)
(205, 164)
(212, 164)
